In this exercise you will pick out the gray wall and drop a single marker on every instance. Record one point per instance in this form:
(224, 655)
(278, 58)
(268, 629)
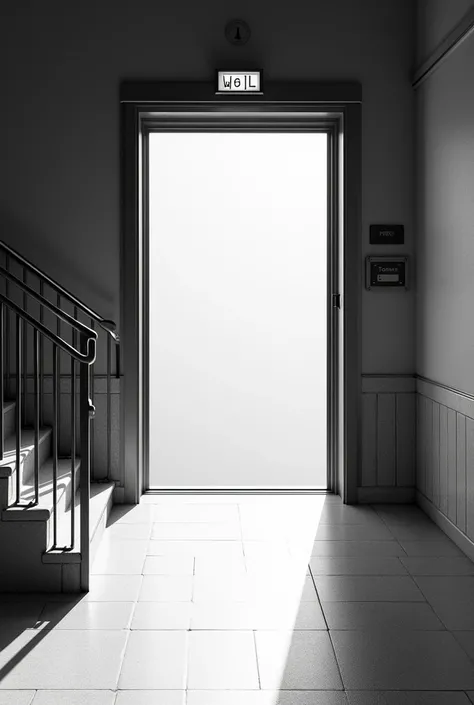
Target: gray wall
(445, 279)
(62, 64)
(445, 242)
(435, 20)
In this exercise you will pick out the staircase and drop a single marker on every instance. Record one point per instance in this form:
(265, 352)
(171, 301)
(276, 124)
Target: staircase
(52, 514)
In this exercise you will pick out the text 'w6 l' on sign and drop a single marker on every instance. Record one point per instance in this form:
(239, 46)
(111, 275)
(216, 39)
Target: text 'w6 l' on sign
(239, 82)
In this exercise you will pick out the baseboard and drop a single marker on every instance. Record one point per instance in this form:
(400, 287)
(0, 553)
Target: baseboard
(451, 531)
(386, 495)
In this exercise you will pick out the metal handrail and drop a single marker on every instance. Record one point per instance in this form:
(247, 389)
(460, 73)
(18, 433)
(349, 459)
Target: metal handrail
(74, 323)
(107, 325)
(20, 350)
(87, 358)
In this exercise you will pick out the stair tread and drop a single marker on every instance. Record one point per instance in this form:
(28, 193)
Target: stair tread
(46, 480)
(46, 487)
(8, 464)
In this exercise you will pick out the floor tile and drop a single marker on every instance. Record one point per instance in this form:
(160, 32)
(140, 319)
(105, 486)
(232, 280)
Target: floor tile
(466, 639)
(74, 697)
(406, 698)
(299, 660)
(431, 548)
(349, 515)
(128, 531)
(87, 615)
(294, 566)
(228, 564)
(155, 660)
(324, 565)
(470, 695)
(266, 550)
(264, 530)
(353, 532)
(426, 565)
(265, 697)
(113, 588)
(20, 615)
(51, 660)
(401, 514)
(151, 697)
(186, 512)
(355, 588)
(354, 548)
(221, 588)
(222, 660)
(16, 697)
(166, 588)
(196, 531)
(169, 565)
(257, 615)
(452, 598)
(215, 549)
(381, 615)
(162, 615)
(394, 660)
(131, 514)
(417, 532)
(251, 587)
(120, 557)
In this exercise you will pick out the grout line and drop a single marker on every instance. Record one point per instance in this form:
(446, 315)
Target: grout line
(337, 662)
(254, 632)
(317, 595)
(186, 663)
(122, 659)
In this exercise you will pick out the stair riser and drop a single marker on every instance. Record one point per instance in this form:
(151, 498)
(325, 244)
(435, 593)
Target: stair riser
(27, 469)
(9, 422)
(22, 569)
(8, 485)
(44, 449)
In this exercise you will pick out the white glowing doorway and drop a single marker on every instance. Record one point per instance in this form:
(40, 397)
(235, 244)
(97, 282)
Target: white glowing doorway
(238, 310)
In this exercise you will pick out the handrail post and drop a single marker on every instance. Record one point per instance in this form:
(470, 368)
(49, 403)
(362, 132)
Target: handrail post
(2, 389)
(85, 410)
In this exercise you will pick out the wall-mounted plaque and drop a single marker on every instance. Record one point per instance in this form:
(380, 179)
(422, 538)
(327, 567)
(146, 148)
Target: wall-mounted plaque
(239, 82)
(387, 235)
(383, 272)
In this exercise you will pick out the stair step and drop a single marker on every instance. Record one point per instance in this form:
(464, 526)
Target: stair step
(100, 504)
(8, 418)
(27, 457)
(44, 509)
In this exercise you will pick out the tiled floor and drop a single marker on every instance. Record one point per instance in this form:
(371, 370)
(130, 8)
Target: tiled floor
(252, 600)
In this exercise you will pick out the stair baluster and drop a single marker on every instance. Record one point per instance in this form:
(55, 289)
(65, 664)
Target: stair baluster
(30, 443)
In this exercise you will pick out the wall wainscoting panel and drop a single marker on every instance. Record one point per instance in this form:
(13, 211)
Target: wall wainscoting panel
(445, 453)
(388, 438)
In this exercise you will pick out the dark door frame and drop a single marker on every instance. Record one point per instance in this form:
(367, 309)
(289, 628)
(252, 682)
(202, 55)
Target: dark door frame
(334, 108)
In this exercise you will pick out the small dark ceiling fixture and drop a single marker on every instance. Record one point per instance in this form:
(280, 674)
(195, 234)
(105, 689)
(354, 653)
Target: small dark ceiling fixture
(237, 32)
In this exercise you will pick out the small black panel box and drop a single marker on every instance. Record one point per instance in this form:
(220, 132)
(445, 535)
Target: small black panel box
(387, 235)
(386, 272)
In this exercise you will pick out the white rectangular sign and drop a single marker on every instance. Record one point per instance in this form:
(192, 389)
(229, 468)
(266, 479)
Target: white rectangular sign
(239, 82)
